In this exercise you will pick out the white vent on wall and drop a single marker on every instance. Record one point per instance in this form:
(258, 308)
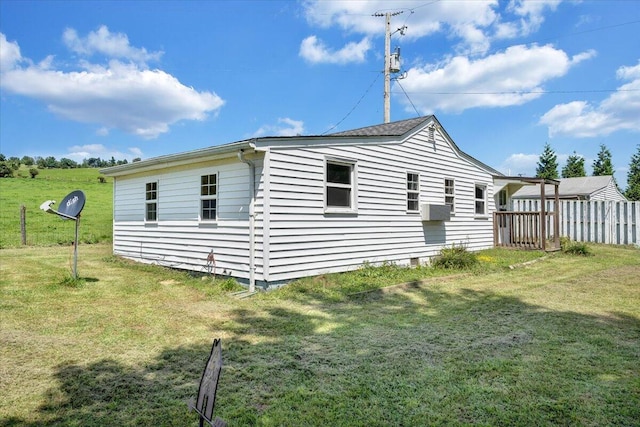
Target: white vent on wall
(430, 212)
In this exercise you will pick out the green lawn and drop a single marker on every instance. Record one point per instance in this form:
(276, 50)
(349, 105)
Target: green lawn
(53, 184)
(554, 342)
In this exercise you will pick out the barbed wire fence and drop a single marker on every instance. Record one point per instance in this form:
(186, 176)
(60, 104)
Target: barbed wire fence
(30, 227)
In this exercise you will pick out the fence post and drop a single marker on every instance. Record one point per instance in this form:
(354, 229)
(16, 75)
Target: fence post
(23, 224)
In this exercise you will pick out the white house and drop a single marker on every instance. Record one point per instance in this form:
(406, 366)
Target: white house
(578, 188)
(275, 209)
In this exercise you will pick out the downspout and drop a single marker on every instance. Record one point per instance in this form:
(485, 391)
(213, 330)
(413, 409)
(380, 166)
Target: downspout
(252, 220)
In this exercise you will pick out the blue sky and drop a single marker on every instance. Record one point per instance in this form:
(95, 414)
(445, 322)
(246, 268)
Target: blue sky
(140, 79)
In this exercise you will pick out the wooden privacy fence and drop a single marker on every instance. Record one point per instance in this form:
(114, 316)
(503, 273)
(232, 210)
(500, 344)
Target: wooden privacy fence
(594, 221)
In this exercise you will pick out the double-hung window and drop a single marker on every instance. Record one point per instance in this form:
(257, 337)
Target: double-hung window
(449, 194)
(340, 186)
(151, 201)
(413, 192)
(481, 199)
(208, 197)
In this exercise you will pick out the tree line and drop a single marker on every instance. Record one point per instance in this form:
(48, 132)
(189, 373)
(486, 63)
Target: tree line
(11, 164)
(547, 167)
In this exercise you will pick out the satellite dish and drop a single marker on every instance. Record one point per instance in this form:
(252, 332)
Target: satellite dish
(72, 205)
(70, 208)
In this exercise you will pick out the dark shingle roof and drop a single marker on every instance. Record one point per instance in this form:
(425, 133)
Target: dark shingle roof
(385, 129)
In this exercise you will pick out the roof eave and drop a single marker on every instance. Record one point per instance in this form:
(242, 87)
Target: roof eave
(154, 163)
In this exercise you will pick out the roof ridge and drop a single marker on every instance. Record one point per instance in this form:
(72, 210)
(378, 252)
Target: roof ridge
(396, 128)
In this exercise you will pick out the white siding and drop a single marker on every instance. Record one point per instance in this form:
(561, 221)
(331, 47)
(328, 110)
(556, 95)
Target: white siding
(295, 237)
(304, 240)
(609, 193)
(179, 239)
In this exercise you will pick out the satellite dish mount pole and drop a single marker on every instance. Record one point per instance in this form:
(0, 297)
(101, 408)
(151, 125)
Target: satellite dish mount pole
(75, 249)
(70, 208)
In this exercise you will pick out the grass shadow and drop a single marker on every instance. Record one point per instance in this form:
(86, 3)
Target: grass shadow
(418, 356)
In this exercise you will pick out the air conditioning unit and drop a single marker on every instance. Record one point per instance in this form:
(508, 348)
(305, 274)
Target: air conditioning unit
(430, 212)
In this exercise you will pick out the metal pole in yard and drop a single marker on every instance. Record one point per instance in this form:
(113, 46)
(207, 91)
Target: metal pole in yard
(75, 250)
(23, 224)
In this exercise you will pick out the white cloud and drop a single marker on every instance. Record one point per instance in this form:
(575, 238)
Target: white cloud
(512, 77)
(79, 153)
(9, 54)
(315, 51)
(112, 45)
(475, 23)
(102, 132)
(531, 13)
(358, 16)
(526, 164)
(520, 164)
(285, 127)
(135, 151)
(124, 96)
(617, 112)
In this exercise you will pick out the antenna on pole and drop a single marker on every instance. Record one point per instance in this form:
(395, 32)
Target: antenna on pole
(391, 63)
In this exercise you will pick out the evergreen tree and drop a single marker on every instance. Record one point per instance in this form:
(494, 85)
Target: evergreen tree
(574, 167)
(633, 177)
(547, 164)
(603, 164)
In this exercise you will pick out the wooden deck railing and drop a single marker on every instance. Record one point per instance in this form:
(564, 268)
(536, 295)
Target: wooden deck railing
(525, 230)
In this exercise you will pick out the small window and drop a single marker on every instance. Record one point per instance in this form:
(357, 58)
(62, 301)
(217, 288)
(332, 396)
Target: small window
(449, 194)
(481, 199)
(208, 197)
(340, 185)
(413, 192)
(151, 201)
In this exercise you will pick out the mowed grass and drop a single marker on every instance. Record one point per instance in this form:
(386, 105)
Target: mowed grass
(54, 184)
(554, 342)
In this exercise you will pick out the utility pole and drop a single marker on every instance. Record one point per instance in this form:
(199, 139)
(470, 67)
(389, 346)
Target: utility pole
(387, 68)
(387, 62)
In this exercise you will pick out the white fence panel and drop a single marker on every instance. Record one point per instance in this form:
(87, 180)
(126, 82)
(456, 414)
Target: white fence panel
(594, 221)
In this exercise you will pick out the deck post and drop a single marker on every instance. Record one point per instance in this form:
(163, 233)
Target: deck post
(543, 217)
(556, 218)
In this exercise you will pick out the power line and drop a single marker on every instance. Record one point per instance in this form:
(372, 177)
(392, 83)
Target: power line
(354, 107)
(525, 92)
(407, 95)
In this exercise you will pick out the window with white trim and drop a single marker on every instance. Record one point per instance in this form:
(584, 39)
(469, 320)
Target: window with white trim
(340, 185)
(151, 201)
(449, 193)
(413, 192)
(208, 197)
(481, 199)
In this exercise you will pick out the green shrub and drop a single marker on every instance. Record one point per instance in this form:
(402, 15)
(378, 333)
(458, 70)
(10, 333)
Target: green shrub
(457, 257)
(574, 248)
(228, 284)
(5, 170)
(564, 242)
(577, 248)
